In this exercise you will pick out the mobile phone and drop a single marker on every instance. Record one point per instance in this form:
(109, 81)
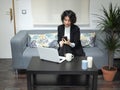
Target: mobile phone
(65, 37)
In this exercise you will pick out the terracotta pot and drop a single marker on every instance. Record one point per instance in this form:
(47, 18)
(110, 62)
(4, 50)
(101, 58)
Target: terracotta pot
(109, 74)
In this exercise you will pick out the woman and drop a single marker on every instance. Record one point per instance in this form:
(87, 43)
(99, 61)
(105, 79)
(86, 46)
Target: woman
(69, 41)
(69, 35)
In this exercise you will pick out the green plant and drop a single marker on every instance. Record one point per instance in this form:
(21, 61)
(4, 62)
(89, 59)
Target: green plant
(109, 23)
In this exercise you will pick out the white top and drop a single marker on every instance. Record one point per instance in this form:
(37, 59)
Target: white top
(67, 33)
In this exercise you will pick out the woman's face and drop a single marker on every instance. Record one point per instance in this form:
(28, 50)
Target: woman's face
(67, 21)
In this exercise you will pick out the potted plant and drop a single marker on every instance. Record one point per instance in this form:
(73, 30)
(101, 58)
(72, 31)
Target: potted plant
(109, 23)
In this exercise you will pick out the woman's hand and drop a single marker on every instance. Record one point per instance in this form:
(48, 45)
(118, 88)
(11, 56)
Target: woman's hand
(63, 41)
(66, 42)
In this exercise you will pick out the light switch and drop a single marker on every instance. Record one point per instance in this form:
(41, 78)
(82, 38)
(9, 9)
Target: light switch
(24, 11)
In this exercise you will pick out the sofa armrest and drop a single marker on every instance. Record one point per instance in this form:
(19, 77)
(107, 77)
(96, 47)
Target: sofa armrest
(18, 44)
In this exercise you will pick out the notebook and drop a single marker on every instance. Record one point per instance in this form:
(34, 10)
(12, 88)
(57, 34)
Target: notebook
(50, 54)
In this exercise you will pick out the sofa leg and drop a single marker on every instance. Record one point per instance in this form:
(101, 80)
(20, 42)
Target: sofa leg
(16, 73)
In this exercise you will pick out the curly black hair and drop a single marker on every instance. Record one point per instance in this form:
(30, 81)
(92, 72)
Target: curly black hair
(70, 14)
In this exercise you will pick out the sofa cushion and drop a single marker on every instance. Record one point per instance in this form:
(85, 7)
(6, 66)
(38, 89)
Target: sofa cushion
(93, 51)
(50, 40)
(43, 40)
(88, 39)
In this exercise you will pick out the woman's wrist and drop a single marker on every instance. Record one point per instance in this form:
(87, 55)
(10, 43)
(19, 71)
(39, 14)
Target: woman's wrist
(72, 44)
(61, 43)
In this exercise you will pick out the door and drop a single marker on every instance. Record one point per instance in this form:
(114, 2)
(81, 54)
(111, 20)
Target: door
(6, 28)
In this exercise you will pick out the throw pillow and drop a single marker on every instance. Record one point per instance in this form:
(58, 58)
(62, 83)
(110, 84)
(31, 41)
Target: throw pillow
(42, 40)
(88, 39)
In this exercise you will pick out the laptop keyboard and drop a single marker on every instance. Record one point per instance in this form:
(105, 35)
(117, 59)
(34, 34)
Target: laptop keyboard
(61, 58)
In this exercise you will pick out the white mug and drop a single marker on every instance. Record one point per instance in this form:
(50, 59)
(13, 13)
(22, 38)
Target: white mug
(69, 56)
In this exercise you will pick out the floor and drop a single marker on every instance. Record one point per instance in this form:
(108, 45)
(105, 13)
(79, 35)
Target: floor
(10, 81)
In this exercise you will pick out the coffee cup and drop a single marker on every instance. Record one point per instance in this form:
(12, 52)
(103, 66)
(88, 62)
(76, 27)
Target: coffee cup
(84, 64)
(69, 56)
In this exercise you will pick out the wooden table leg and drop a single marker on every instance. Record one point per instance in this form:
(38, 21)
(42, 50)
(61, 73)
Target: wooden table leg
(29, 81)
(94, 81)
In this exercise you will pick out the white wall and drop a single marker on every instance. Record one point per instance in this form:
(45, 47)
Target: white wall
(24, 21)
(95, 8)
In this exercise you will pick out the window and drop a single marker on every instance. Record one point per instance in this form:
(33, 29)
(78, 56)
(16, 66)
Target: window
(48, 12)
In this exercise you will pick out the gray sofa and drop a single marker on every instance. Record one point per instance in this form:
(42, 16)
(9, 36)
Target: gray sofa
(22, 54)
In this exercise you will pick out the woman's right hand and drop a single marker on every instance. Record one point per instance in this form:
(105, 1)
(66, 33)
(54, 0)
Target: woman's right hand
(61, 43)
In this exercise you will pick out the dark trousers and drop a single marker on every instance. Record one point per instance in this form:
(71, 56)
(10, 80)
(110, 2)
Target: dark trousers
(64, 49)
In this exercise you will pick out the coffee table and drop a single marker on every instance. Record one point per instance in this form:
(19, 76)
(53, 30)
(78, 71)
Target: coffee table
(40, 67)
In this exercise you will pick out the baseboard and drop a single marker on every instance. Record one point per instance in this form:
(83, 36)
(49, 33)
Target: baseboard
(5, 58)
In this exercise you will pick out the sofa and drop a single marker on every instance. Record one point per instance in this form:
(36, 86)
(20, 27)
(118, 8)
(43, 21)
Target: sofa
(22, 52)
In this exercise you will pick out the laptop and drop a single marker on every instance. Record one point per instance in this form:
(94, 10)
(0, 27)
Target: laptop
(50, 54)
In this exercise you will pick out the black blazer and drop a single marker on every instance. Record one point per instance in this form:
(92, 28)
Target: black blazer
(74, 37)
